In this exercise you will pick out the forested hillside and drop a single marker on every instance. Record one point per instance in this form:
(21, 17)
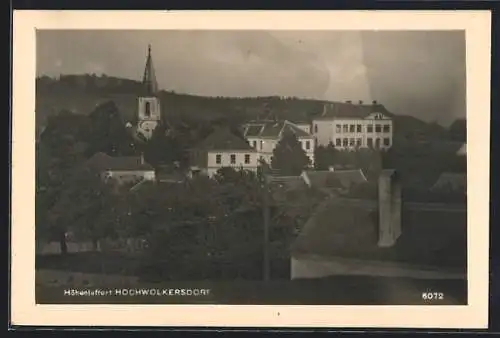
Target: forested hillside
(81, 94)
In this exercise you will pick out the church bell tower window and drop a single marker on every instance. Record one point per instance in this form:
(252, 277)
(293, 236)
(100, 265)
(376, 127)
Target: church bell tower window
(147, 109)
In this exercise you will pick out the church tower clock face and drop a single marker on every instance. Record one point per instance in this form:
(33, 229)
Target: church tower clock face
(147, 126)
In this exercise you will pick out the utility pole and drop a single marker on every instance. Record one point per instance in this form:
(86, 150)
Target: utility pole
(265, 189)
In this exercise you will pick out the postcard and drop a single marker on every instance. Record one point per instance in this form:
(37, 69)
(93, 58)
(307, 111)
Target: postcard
(251, 168)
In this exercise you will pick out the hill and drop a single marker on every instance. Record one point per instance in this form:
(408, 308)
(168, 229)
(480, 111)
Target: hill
(83, 93)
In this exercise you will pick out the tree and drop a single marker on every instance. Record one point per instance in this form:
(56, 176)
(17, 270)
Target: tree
(325, 157)
(64, 139)
(162, 148)
(80, 208)
(288, 156)
(107, 132)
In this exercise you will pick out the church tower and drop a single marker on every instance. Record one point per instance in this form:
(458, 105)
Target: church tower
(149, 110)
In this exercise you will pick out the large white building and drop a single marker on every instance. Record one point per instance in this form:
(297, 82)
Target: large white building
(351, 126)
(263, 136)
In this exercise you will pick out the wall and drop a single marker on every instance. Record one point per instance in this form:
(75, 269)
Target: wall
(315, 267)
(147, 124)
(322, 131)
(266, 146)
(304, 126)
(213, 166)
(329, 132)
(155, 108)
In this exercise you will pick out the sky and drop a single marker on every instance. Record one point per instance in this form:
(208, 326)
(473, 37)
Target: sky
(419, 73)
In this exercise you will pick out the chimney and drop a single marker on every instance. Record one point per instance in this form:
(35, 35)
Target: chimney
(348, 101)
(389, 208)
(374, 102)
(360, 101)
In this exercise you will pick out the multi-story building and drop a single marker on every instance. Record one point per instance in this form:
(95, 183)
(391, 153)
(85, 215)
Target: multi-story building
(351, 126)
(263, 136)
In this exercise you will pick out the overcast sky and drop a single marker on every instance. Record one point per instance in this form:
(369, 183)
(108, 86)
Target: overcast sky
(414, 73)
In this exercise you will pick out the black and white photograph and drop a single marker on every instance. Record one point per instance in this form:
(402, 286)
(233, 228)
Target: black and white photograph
(251, 167)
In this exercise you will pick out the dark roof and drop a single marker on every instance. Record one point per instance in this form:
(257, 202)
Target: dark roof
(290, 182)
(430, 237)
(345, 178)
(351, 110)
(273, 129)
(223, 139)
(101, 161)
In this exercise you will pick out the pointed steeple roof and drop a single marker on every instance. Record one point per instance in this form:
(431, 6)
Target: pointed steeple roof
(149, 77)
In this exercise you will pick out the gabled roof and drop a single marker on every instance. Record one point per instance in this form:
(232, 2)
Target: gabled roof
(287, 182)
(273, 129)
(334, 179)
(350, 110)
(223, 139)
(430, 237)
(103, 162)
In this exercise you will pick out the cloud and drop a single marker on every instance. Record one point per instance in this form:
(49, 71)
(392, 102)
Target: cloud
(416, 73)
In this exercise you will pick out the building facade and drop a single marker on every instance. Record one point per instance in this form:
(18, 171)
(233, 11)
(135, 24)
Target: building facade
(264, 137)
(350, 126)
(222, 149)
(149, 108)
(124, 169)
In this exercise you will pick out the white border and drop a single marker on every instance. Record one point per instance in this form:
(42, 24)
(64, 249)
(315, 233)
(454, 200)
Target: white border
(25, 312)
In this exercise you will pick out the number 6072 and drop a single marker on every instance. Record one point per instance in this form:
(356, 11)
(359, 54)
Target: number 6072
(432, 296)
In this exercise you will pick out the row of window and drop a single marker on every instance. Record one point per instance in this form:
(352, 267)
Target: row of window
(357, 128)
(232, 159)
(359, 142)
(307, 145)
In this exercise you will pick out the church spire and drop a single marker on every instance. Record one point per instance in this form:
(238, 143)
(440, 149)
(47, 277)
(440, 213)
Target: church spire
(149, 78)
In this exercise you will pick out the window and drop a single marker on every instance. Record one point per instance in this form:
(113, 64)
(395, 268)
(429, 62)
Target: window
(338, 142)
(218, 159)
(315, 128)
(351, 128)
(359, 142)
(346, 128)
(377, 143)
(338, 128)
(308, 145)
(387, 128)
(247, 158)
(254, 144)
(369, 142)
(233, 158)
(351, 142)
(378, 128)
(387, 141)
(369, 128)
(345, 142)
(147, 109)
(358, 129)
